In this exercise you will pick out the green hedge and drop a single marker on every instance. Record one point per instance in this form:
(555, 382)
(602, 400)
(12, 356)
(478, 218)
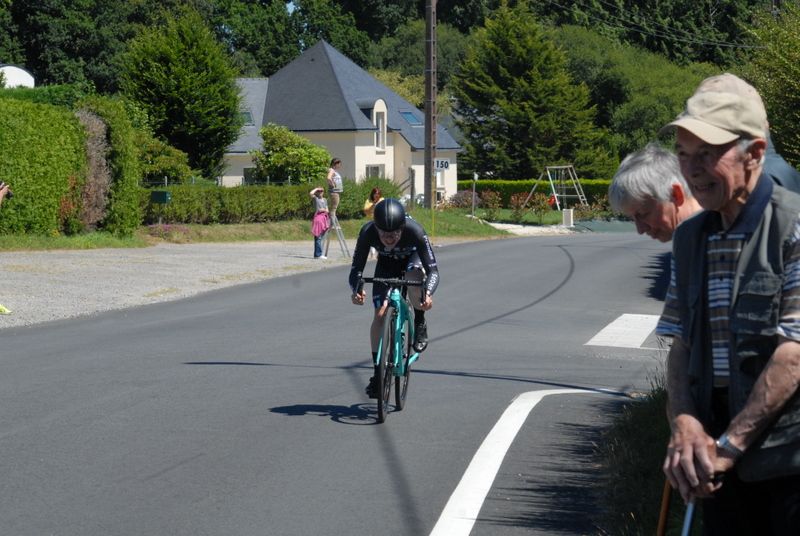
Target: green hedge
(124, 214)
(254, 204)
(593, 189)
(43, 161)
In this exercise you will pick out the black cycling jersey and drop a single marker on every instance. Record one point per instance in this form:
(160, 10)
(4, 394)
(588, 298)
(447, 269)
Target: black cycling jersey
(394, 261)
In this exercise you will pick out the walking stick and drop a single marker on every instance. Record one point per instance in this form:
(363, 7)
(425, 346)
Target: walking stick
(665, 502)
(687, 521)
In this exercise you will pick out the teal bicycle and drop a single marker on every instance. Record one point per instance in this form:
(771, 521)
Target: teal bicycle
(396, 348)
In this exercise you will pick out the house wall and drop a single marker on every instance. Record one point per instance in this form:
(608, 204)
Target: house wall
(234, 173)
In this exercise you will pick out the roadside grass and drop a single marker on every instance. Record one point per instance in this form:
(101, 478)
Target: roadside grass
(632, 454)
(440, 224)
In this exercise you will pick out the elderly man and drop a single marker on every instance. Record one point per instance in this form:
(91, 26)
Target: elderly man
(648, 186)
(732, 309)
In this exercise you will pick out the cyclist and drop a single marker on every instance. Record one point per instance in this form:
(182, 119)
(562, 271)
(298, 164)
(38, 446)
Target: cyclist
(404, 251)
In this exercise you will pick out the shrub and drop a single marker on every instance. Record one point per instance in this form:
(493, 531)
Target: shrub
(492, 203)
(518, 206)
(463, 199)
(124, 214)
(44, 162)
(540, 206)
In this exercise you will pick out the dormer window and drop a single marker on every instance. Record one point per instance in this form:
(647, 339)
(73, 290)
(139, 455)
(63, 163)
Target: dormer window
(380, 136)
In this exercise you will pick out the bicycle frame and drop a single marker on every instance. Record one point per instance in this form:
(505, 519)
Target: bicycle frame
(398, 330)
(401, 311)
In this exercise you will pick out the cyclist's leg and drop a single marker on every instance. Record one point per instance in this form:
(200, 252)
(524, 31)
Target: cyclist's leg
(383, 269)
(415, 272)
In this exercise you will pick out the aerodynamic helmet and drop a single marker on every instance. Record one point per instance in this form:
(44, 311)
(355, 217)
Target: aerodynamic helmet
(389, 215)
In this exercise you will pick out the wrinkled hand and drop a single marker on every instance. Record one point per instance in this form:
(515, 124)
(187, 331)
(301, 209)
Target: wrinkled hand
(690, 461)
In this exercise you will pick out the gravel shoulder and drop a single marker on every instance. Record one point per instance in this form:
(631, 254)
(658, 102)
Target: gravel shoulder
(42, 286)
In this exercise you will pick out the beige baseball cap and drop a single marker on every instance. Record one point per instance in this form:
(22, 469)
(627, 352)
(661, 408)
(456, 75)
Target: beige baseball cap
(719, 117)
(730, 83)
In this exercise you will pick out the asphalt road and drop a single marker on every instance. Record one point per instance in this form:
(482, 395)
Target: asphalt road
(241, 411)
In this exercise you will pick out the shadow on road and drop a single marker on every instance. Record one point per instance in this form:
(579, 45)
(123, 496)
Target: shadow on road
(355, 414)
(559, 489)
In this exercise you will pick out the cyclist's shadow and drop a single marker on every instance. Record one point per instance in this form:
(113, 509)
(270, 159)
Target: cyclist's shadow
(364, 413)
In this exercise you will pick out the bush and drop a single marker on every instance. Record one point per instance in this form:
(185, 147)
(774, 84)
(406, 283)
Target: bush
(491, 204)
(124, 214)
(351, 201)
(593, 189)
(518, 206)
(44, 162)
(540, 206)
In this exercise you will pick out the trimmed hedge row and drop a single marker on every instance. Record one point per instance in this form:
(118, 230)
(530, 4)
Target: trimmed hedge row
(254, 204)
(593, 189)
(44, 162)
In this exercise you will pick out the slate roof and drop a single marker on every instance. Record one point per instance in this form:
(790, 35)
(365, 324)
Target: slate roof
(324, 91)
(253, 91)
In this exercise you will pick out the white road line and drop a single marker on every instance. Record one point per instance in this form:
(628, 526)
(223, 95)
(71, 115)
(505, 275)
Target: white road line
(627, 331)
(461, 511)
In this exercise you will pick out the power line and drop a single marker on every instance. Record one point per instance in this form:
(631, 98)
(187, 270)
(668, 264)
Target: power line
(644, 30)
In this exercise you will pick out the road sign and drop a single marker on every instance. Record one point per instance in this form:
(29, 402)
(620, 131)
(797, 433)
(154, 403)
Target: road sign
(441, 163)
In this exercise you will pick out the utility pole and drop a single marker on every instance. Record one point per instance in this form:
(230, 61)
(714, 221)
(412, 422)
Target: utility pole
(430, 103)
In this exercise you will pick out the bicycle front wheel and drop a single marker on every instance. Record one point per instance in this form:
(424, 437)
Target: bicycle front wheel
(386, 363)
(406, 347)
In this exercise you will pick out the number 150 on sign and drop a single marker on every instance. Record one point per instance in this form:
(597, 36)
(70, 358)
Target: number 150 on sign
(441, 163)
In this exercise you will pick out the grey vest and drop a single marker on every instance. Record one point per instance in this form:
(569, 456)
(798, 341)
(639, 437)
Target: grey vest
(753, 321)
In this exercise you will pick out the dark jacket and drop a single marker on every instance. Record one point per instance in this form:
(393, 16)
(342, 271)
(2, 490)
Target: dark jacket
(753, 320)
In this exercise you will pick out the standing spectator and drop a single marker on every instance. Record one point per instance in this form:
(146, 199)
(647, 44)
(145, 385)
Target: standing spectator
(375, 197)
(4, 192)
(734, 366)
(334, 187)
(320, 223)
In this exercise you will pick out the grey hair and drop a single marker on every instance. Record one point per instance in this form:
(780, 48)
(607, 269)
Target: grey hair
(646, 174)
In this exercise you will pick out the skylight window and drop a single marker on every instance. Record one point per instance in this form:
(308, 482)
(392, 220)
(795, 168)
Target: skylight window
(412, 120)
(247, 119)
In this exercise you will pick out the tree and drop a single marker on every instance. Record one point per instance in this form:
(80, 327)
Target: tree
(185, 82)
(259, 34)
(518, 108)
(288, 157)
(774, 70)
(405, 52)
(379, 18)
(635, 91)
(322, 19)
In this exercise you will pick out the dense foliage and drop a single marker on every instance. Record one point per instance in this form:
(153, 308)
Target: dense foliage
(289, 157)
(634, 91)
(44, 163)
(123, 215)
(185, 82)
(774, 70)
(518, 108)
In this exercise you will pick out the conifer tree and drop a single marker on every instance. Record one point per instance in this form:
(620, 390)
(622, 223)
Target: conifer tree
(518, 108)
(185, 82)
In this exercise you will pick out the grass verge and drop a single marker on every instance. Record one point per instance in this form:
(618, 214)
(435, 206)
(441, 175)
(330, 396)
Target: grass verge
(439, 224)
(632, 454)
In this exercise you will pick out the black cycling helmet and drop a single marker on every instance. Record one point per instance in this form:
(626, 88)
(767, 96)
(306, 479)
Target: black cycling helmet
(389, 215)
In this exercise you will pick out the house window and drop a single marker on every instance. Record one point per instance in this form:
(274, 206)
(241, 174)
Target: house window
(380, 136)
(374, 172)
(439, 178)
(247, 119)
(411, 118)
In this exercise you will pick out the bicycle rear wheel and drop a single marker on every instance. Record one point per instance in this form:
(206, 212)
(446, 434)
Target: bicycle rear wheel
(401, 382)
(386, 364)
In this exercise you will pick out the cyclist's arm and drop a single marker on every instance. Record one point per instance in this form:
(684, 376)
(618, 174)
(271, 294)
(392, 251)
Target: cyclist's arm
(429, 263)
(360, 255)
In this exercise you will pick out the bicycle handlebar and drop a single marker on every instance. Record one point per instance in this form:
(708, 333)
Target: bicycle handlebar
(392, 281)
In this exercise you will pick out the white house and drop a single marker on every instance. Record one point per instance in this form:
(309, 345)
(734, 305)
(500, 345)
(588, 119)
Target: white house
(325, 97)
(16, 76)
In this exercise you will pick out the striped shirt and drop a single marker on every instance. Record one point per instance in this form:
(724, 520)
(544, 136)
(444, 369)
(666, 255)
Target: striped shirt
(723, 251)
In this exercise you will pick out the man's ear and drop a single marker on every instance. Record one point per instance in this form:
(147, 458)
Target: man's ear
(678, 195)
(757, 151)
